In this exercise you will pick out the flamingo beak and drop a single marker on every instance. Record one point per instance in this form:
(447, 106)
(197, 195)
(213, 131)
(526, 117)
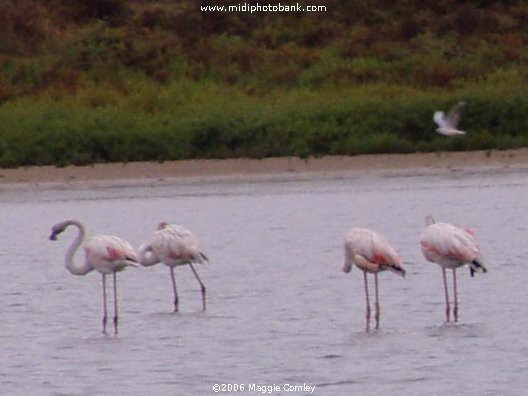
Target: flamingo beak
(53, 237)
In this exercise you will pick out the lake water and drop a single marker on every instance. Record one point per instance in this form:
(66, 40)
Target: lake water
(280, 311)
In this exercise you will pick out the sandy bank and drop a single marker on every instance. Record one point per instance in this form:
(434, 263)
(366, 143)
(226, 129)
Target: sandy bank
(250, 169)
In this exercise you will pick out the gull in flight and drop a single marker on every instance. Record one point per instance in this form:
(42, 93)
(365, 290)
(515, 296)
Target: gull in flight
(447, 124)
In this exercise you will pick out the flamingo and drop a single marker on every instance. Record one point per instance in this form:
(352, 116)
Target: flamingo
(447, 125)
(370, 252)
(451, 247)
(104, 253)
(174, 246)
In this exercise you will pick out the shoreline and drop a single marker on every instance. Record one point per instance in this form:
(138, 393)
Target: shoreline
(268, 169)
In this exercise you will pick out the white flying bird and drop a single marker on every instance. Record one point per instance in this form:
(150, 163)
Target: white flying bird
(447, 124)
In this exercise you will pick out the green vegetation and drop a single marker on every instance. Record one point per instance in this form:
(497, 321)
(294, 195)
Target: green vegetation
(113, 80)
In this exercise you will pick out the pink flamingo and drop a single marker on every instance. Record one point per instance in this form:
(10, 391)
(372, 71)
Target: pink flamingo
(104, 253)
(451, 247)
(370, 252)
(174, 246)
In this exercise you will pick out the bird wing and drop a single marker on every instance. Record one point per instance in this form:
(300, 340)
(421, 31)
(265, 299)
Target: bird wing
(178, 243)
(443, 240)
(110, 248)
(453, 117)
(373, 247)
(439, 118)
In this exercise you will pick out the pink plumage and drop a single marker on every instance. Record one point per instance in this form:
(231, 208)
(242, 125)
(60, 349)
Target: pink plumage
(174, 246)
(451, 247)
(371, 253)
(106, 254)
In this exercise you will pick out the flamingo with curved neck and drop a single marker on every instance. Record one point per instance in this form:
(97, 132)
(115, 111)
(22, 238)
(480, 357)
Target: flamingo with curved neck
(174, 246)
(76, 268)
(147, 257)
(106, 254)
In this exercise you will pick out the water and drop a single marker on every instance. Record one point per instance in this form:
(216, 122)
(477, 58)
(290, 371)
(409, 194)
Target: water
(280, 311)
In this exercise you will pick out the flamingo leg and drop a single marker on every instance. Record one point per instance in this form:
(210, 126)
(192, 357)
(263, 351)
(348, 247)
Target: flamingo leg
(376, 304)
(116, 314)
(202, 286)
(105, 316)
(367, 301)
(455, 292)
(446, 294)
(175, 291)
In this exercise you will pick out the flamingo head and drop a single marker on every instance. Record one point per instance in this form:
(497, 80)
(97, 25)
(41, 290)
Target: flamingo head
(162, 225)
(347, 267)
(56, 230)
(429, 220)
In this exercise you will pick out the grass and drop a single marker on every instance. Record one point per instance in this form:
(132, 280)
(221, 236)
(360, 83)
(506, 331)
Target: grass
(204, 120)
(110, 80)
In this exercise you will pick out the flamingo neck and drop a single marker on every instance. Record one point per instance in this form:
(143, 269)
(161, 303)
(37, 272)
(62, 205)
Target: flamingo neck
(147, 257)
(74, 267)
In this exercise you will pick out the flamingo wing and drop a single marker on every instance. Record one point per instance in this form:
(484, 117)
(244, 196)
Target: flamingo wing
(110, 248)
(177, 243)
(373, 248)
(442, 241)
